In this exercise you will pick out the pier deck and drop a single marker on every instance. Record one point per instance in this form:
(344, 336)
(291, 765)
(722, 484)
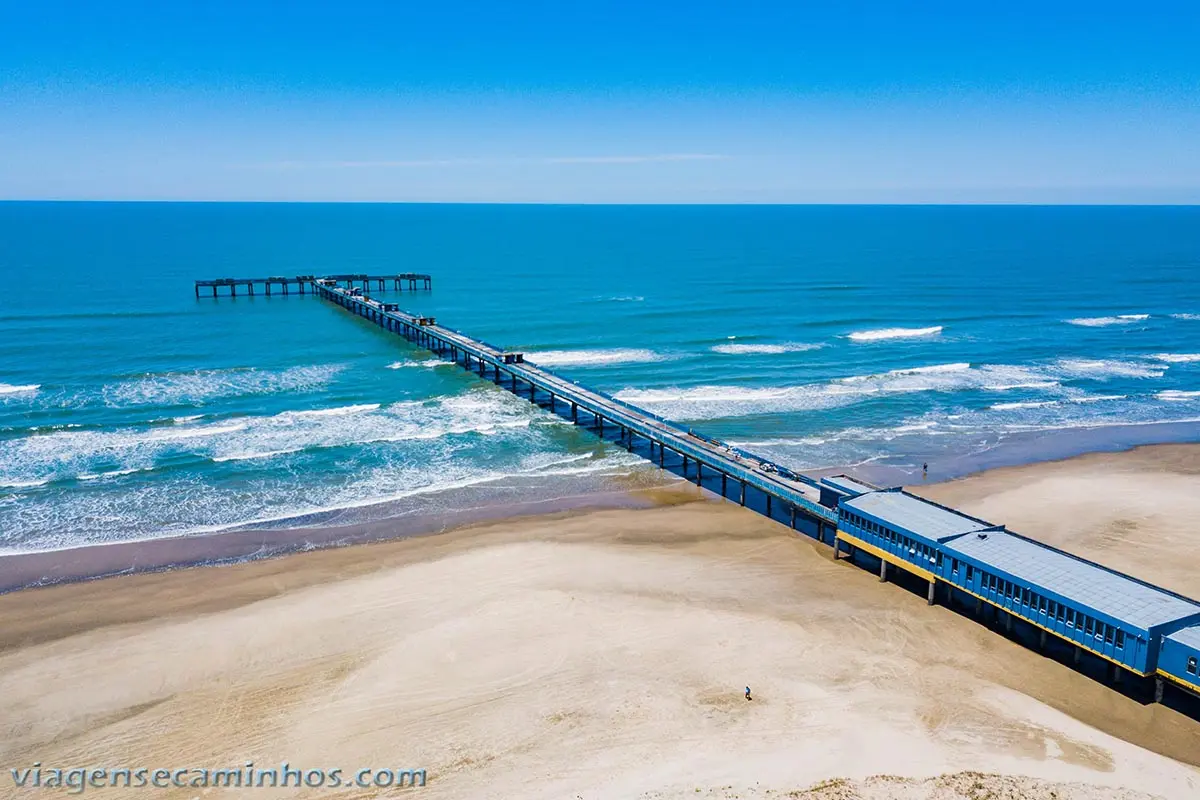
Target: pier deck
(797, 494)
(397, 282)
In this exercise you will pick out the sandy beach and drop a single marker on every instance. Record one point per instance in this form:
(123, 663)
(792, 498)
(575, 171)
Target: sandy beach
(603, 654)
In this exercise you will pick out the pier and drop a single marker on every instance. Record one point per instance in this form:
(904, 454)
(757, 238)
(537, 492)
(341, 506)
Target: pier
(788, 496)
(284, 284)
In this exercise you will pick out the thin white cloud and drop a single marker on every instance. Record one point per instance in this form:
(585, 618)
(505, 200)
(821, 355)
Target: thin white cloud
(462, 162)
(635, 159)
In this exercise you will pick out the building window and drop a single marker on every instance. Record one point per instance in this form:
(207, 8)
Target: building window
(1062, 612)
(939, 560)
(1120, 639)
(970, 573)
(1087, 626)
(1053, 608)
(1025, 597)
(1192, 665)
(954, 567)
(1008, 590)
(1108, 634)
(1070, 619)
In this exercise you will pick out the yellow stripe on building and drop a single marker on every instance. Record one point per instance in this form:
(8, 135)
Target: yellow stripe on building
(886, 556)
(929, 576)
(1185, 684)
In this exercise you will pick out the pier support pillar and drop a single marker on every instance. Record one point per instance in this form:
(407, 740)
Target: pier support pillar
(197, 290)
(214, 291)
(1158, 689)
(837, 548)
(629, 441)
(742, 499)
(1078, 654)
(768, 506)
(699, 470)
(1041, 641)
(724, 481)
(978, 606)
(685, 466)
(882, 571)
(820, 532)
(1008, 617)
(793, 515)
(662, 457)
(575, 413)
(931, 595)
(600, 425)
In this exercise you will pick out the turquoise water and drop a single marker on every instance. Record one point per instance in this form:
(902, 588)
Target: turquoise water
(820, 336)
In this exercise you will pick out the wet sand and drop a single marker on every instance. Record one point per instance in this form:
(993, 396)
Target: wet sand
(603, 654)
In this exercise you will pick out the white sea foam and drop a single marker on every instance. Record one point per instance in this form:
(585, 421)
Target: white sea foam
(180, 388)
(428, 363)
(883, 334)
(1176, 395)
(1101, 322)
(1192, 317)
(335, 412)
(116, 473)
(1022, 404)
(71, 453)
(16, 484)
(633, 298)
(1178, 358)
(764, 349)
(8, 388)
(584, 358)
(1103, 369)
(187, 419)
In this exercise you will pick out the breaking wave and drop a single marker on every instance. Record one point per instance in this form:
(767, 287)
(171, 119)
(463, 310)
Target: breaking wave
(8, 388)
(894, 333)
(1101, 322)
(1176, 395)
(586, 358)
(1178, 358)
(764, 349)
(428, 363)
(190, 388)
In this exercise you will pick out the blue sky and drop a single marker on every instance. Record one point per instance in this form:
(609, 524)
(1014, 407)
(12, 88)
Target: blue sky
(601, 101)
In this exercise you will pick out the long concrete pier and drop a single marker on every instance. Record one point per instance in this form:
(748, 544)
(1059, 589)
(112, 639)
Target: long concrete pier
(788, 496)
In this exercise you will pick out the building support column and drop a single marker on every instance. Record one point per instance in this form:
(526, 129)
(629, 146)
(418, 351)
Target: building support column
(1158, 689)
(1042, 641)
(882, 571)
(931, 597)
(793, 518)
(699, 472)
(768, 506)
(724, 483)
(742, 499)
(1078, 654)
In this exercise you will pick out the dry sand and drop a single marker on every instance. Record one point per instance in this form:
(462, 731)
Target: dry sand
(603, 655)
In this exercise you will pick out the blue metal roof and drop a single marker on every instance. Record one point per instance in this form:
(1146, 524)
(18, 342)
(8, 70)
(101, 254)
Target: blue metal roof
(908, 512)
(848, 485)
(1082, 582)
(1188, 637)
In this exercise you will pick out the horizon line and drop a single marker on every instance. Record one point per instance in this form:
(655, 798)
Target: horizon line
(943, 204)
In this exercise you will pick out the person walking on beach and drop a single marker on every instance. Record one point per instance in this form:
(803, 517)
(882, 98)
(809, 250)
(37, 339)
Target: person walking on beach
(748, 693)
(925, 470)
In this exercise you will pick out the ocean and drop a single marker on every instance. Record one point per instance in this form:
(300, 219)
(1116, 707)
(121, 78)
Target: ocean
(873, 339)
